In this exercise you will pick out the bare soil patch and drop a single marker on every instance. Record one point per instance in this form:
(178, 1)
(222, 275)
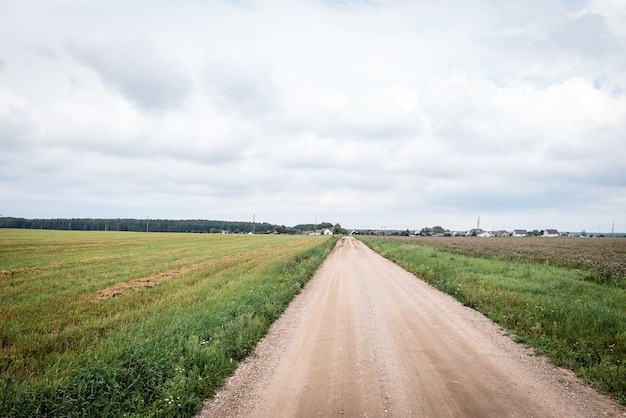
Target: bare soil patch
(153, 280)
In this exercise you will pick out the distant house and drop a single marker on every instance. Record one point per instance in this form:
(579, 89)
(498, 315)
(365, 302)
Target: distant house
(500, 233)
(550, 233)
(519, 233)
(327, 232)
(485, 234)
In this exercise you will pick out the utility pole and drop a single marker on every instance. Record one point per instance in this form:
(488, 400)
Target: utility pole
(147, 224)
(254, 223)
(612, 228)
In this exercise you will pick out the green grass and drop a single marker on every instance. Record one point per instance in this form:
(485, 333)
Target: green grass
(578, 324)
(601, 260)
(67, 349)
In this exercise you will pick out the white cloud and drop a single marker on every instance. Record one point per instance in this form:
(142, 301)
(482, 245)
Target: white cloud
(614, 11)
(402, 114)
(135, 68)
(19, 124)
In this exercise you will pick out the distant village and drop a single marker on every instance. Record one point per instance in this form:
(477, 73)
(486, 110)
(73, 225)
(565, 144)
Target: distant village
(477, 232)
(438, 231)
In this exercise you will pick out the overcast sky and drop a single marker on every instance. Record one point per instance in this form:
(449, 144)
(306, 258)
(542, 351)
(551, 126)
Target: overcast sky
(396, 114)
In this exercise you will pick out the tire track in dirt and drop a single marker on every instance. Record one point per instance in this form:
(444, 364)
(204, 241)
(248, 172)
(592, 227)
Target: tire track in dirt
(367, 338)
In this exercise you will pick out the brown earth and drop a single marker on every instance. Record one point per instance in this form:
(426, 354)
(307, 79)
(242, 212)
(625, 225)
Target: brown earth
(153, 280)
(367, 338)
(150, 281)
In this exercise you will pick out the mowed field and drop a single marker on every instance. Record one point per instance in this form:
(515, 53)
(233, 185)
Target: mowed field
(566, 297)
(136, 324)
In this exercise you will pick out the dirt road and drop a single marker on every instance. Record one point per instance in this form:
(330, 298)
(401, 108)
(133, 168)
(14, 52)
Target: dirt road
(366, 338)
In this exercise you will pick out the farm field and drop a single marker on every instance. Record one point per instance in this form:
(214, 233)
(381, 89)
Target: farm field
(145, 324)
(564, 297)
(601, 260)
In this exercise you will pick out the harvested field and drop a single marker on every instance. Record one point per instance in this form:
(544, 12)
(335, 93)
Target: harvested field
(147, 324)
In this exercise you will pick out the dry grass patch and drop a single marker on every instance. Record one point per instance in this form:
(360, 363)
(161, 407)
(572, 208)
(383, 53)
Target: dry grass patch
(154, 280)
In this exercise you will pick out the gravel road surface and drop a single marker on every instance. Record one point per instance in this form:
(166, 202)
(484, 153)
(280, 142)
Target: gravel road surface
(366, 338)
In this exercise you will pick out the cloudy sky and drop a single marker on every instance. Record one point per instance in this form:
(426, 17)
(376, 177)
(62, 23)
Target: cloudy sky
(391, 113)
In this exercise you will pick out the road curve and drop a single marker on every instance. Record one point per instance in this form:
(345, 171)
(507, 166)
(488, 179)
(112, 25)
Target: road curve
(367, 338)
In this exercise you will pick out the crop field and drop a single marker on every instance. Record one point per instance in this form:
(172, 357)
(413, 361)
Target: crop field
(601, 260)
(136, 324)
(564, 297)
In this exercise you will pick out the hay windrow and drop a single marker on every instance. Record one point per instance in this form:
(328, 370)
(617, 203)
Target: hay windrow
(120, 289)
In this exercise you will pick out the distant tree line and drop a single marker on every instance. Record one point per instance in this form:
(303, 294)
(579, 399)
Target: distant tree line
(435, 230)
(313, 227)
(138, 225)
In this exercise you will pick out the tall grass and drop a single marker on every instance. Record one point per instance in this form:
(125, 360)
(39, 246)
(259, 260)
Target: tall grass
(151, 351)
(578, 324)
(600, 260)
